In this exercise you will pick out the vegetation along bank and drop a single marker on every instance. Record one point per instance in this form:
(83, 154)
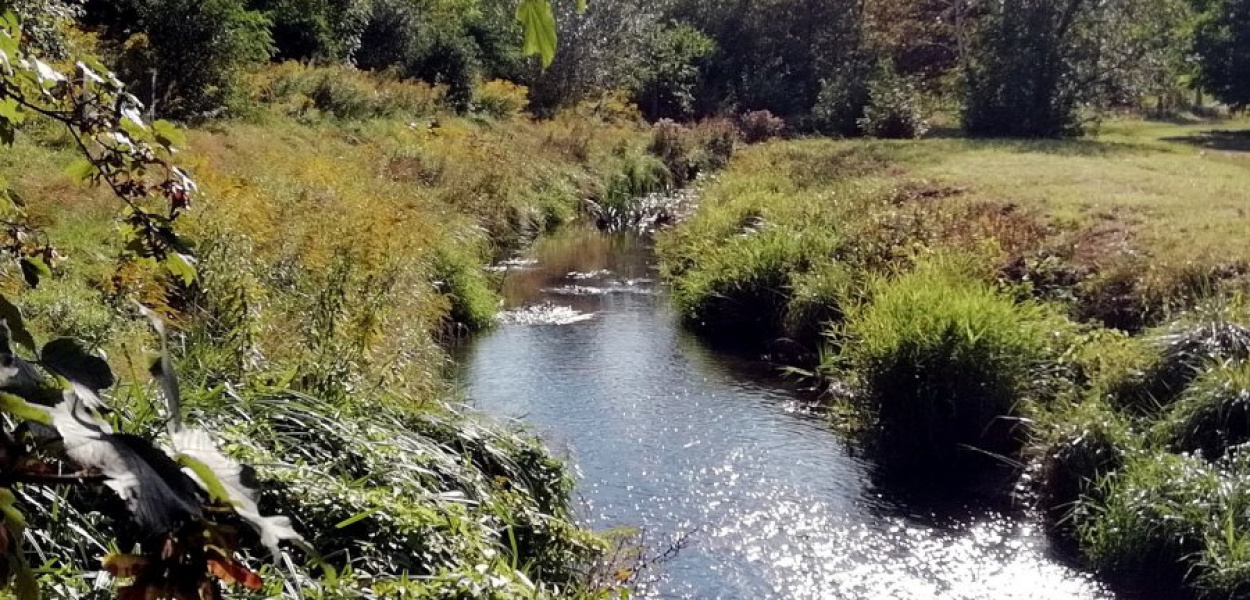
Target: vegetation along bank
(340, 236)
(1067, 306)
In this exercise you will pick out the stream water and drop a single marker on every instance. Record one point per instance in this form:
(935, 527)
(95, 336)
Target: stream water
(673, 438)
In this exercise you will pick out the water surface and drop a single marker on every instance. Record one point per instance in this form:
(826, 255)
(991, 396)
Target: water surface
(674, 438)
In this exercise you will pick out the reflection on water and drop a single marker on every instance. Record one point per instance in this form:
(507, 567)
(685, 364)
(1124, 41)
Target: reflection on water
(671, 437)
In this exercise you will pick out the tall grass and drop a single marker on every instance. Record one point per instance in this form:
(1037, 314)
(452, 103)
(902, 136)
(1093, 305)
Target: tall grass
(343, 233)
(944, 361)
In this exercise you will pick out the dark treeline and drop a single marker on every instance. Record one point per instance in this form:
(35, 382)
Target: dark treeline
(1010, 67)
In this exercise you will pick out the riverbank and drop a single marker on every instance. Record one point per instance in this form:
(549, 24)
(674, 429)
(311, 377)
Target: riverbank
(341, 232)
(718, 455)
(1069, 306)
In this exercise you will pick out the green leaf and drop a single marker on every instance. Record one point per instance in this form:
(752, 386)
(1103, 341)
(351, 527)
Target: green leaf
(12, 316)
(581, 6)
(539, 25)
(23, 410)
(212, 484)
(81, 170)
(181, 265)
(360, 516)
(11, 111)
(168, 134)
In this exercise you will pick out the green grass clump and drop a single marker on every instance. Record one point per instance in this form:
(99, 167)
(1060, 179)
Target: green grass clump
(1185, 350)
(944, 361)
(816, 301)
(1082, 445)
(1169, 519)
(1153, 513)
(741, 288)
(1212, 415)
(460, 278)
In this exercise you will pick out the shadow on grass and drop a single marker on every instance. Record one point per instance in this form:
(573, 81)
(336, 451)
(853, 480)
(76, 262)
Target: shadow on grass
(1224, 140)
(1073, 146)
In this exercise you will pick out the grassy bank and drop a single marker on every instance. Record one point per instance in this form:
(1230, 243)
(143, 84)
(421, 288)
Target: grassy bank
(341, 234)
(1071, 306)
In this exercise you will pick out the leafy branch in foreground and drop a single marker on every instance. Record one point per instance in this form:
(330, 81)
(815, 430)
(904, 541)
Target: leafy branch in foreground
(185, 499)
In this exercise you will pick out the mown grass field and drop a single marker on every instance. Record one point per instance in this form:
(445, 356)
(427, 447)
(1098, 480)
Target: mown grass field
(1075, 307)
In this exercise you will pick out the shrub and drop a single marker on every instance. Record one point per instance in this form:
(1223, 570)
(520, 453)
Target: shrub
(671, 143)
(943, 360)
(893, 109)
(841, 101)
(717, 139)
(501, 99)
(761, 126)
(189, 58)
(1213, 414)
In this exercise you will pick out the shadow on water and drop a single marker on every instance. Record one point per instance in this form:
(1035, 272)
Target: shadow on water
(672, 436)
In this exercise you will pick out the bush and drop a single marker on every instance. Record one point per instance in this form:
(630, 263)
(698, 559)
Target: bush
(944, 361)
(760, 126)
(841, 102)
(717, 139)
(501, 99)
(671, 143)
(893, 109)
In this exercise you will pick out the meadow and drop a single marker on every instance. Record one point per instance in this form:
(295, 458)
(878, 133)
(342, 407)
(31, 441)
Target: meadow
(1072, 309)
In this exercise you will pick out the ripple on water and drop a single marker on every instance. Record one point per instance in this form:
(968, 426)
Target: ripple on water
(672, 438)
(546, 313)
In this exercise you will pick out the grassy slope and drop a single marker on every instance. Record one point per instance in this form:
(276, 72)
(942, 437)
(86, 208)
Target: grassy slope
(816, 242)
(335, 257)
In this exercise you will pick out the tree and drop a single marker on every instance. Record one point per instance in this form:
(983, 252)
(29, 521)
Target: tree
(1222, 43)
(185, 57)
(601, 49)
(672, 71)
(773, 54)
(318, 30)
(1040, 68)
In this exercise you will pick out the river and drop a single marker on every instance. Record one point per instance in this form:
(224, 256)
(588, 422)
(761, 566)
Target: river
(673, 438)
